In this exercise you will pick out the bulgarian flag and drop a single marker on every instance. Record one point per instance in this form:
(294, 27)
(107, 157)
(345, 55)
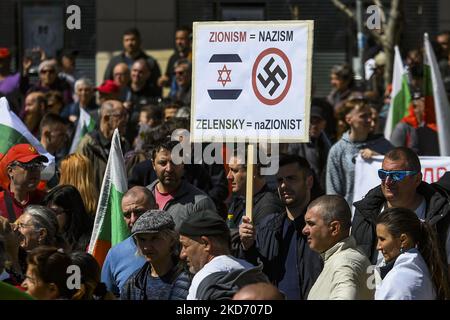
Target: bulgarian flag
(13, 131)
(437, 108)
(109, 226)
(400, 96)
(85, 125)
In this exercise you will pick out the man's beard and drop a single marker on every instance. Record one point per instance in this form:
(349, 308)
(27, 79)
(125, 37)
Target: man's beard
(32, 120)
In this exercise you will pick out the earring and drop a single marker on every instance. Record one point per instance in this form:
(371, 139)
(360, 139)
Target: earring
(402, 250)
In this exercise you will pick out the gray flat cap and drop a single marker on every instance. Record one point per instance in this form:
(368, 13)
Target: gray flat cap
(153, 221)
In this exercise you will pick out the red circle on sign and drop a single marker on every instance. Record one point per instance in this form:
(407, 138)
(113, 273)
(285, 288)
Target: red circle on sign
(283, 56)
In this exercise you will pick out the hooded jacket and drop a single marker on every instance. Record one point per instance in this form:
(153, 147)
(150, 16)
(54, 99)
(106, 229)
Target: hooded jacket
(223, 285)
(340, 176)
(368, 209)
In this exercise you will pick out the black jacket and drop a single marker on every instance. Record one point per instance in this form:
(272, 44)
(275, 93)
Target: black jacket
(368, 209)
(155, 71)
(265, 202)
(270, 250)
(223, 285)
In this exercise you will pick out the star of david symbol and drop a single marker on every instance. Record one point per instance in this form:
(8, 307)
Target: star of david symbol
(221, 72)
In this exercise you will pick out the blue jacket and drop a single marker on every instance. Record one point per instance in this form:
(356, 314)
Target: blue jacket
(120, 263)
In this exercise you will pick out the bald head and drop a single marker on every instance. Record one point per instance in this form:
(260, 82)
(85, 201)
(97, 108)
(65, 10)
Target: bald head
(113, 115)
(121, 74)
(259, 291)
(135, 202)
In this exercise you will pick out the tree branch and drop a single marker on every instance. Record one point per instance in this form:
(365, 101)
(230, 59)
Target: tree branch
(338, 4)
(394, 20)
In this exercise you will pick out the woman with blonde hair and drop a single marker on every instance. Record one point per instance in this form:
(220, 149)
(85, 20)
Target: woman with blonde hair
(77, 170)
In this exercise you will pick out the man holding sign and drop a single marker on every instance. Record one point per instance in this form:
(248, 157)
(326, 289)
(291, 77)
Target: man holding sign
(401, 186)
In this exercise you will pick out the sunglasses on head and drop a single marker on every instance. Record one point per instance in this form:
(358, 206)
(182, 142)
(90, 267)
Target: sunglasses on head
(396, 175)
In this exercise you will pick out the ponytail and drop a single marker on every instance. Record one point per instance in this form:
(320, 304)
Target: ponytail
(428, 248)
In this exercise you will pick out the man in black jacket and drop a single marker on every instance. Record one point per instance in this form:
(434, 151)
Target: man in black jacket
(278, 240)
(265, 200)
(401, 186)
(132, 52)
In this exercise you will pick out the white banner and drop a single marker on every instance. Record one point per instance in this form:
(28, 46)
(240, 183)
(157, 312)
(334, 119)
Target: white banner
(251, 81)
(366, 172)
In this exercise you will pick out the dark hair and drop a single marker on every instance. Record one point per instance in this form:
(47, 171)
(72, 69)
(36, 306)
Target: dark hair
(91, 284)
(132, 31)
(166, 144)
(334, 208)
(182, 61)
(417, 71)
(185, 29)
(51, 119)
(343, 72)
(153, 111)
(301, 162)
(412, 160)
(402, 220)
(79, 224)
(51, 266)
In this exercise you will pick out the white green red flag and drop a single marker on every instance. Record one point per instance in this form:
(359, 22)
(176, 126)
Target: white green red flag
(437, 107)
(109, 226)
(13, 131)
(400, 96)
(85, 125)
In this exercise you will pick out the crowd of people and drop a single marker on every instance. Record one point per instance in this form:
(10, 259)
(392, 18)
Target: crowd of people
(190, 237)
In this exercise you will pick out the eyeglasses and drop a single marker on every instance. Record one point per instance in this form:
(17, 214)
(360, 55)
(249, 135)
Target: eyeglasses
(30, 166)
(23, 225)
(137, 212)
(395, 175)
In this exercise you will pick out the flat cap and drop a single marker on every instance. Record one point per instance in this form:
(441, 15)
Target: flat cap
(204, 223)
(153, 221)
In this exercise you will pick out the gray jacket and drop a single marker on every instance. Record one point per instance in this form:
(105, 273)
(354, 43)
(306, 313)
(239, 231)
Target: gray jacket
(187, 200)
(340, 177)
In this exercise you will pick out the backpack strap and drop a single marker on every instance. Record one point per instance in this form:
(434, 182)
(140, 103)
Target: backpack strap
(9, 207)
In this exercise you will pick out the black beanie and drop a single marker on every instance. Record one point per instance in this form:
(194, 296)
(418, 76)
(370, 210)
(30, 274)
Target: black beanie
(203, 223)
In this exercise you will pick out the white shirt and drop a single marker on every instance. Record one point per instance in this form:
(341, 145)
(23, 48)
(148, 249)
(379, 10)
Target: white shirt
(217, 264)
(420, 212)
(409, 279)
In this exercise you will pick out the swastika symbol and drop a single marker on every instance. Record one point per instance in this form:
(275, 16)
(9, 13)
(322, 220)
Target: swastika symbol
(271, 76)
(265, 61)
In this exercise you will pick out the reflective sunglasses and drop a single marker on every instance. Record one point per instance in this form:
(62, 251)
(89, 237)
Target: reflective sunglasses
(31, 166)
(395, 175)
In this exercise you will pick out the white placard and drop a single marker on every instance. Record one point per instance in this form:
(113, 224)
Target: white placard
(251, 81)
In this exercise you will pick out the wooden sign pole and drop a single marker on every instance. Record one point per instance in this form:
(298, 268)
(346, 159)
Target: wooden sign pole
(249, 190)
